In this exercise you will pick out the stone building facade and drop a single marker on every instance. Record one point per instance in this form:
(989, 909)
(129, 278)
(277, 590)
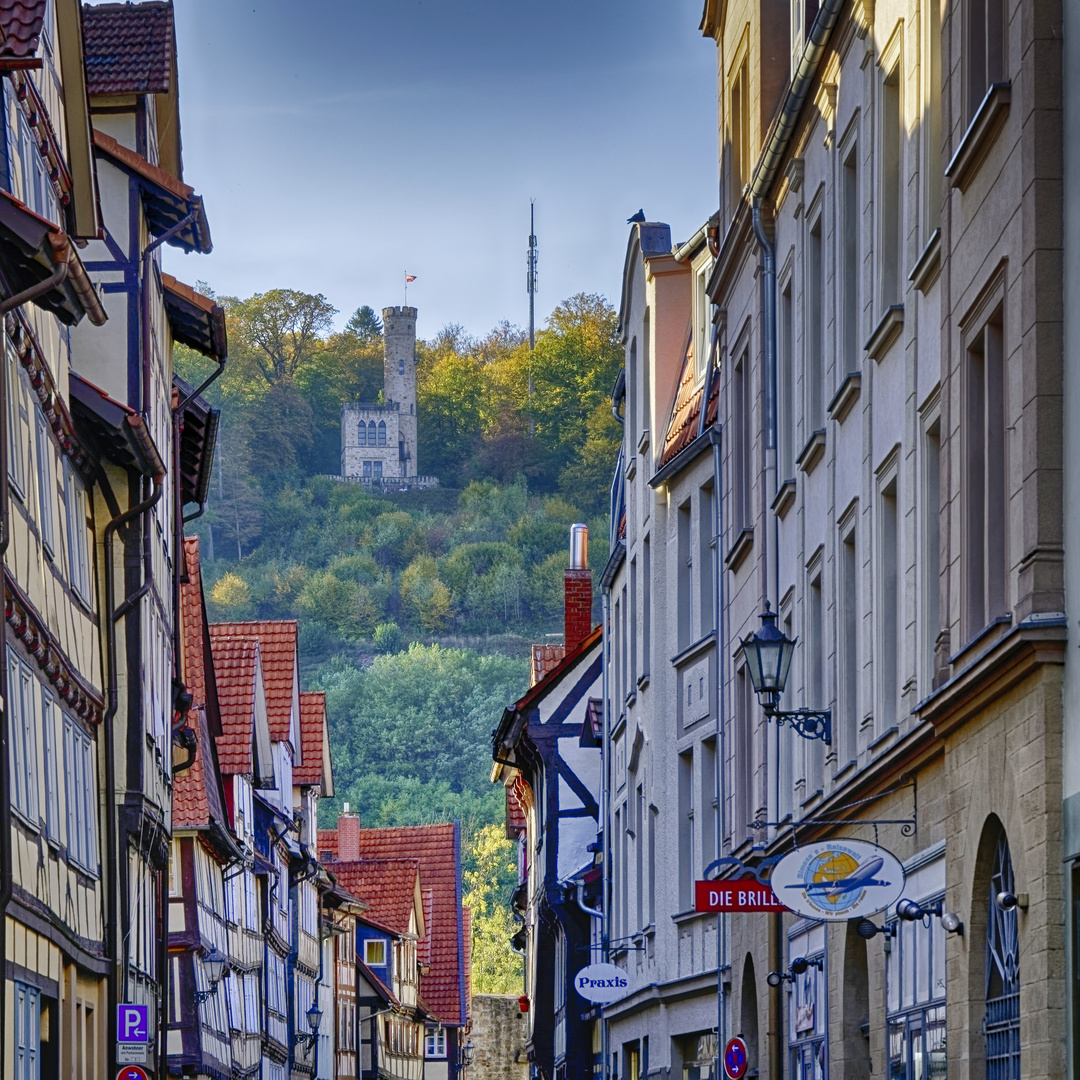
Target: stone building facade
(378, 441)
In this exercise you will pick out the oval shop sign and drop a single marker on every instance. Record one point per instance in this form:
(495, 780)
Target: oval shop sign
(838, 879)
(601, 983)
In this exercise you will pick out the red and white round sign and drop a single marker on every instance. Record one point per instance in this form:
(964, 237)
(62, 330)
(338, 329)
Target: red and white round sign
(132, 1072)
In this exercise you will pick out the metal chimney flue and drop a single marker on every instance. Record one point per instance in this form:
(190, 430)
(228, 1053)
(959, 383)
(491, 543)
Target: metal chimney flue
(579, 546)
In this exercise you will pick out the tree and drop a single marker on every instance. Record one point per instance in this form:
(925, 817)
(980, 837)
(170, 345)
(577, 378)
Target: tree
(274, 334)
(364, 324)
(489, 876)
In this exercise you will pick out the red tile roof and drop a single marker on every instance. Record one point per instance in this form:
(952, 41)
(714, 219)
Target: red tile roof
(544, 659)
(277, 647)
(235, 668)
(438, 850)
(515, 815)
(191, 615)
(138, 164)
(196, 791)
(387, 886)
(686, 413)
(313, 736)
(130, 48)
(21, 24)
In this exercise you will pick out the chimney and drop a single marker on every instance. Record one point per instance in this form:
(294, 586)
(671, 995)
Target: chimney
(577, 616)
(348, 836)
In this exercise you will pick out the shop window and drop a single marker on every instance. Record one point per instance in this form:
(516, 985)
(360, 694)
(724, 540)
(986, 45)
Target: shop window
(1001, 1026)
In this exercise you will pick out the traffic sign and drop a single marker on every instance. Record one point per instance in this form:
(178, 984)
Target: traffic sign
(736, 1059)
(132, 1072)
(742, 894)
(132, 1023)
(131, 1053)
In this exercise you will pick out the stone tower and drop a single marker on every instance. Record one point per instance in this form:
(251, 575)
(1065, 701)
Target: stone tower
(399, 378)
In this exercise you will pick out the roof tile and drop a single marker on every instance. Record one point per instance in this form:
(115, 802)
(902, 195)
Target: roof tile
(21, 26)
(277, 647)
(130, 48)
(312, 735)
(387, 886)
(235, 668)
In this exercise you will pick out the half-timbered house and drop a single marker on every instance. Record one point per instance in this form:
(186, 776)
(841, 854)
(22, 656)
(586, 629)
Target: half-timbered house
(547, 757)
(52, 931)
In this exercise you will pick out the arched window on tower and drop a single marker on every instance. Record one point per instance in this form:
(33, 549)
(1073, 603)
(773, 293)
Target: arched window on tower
(401, 366)
(382, 433)
(1002, 1023)
(361, 434)
(371, 433)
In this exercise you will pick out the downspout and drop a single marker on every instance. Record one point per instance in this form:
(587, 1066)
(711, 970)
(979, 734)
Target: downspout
(6, 868)
(112, 616)
(57, 277)
(605, 815)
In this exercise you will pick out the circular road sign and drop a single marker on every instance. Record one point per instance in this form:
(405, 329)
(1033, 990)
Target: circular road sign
(132, 1072)
(735, 1059)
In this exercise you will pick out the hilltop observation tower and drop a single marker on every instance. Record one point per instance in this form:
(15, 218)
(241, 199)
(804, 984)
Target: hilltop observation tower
(378, 440)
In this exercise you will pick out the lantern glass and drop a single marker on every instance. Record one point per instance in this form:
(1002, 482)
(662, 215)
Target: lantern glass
(768, 654)
(215, 964)
(314, 1016)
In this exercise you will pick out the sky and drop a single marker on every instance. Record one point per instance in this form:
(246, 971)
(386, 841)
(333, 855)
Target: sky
(340, 144)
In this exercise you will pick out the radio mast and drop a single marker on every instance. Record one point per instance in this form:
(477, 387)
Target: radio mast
(530, 284)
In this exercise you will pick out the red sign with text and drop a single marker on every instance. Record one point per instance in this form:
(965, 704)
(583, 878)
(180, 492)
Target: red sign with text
(746, 894)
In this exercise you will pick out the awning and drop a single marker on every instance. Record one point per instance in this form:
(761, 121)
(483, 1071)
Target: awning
(32, 251)
(196, 320)
(198, 434)
(167, 200)
(117, 431)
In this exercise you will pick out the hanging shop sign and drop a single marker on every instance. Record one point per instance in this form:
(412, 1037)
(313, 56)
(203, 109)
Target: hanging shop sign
(742, 894)
(838, 879)
(736, 1059)
(601, 983)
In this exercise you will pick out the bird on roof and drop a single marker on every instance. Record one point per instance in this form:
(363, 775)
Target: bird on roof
(636, 219)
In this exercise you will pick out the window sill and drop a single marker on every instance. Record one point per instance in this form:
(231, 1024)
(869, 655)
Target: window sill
(886, 738)
(980, 637)
(740, 549)
(845, 397)
(980, 135)
(631, 468)
(643, 681)
(643, 442)
(692, 650)
(686, 916)
(928, 265)
(887, 331)
(785, 499)
(812, 452)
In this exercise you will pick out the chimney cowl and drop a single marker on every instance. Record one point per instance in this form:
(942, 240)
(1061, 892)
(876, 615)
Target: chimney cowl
(579, 546)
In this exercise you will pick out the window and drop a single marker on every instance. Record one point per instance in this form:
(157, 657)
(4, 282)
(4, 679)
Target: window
(815, 329)
(376, 467)
(631, 418)
(23, 734)
(888, 606)
(931, 127)
(46, 485)
(739, 134)
(372, 434)
(382, 433)
(639, 856)
(786, 388)
(653, 815)
(646, 377)
(375, 952)
(367, 468)
(931, 620)
(75, 501)
(435, 1043)
(686, 830)
(849, 261)
(632, 625)
(986, 51)
(915, 999)
(807, 1015)
(706, 554)
(849, 645)
(984, 521)
(740, 444)
(361, 434)
(18, 422)
(815, 680)
(646, 607)
(1002, 1023)
(892, 156)
(27, 1032)
(50, 730)
(401, 366)
(708, 802)
(744, 759)
(683, 571)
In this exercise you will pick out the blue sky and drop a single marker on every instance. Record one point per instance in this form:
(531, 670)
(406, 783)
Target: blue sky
(340, 143)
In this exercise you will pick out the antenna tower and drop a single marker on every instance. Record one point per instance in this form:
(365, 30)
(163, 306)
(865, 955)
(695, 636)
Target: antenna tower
(530, 284)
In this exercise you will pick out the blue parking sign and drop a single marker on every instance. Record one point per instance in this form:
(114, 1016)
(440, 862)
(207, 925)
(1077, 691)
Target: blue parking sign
(133, 1023)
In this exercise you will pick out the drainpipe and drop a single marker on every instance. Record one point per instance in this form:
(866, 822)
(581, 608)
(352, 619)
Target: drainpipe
(605, 815)
(57, 277)
(6, 869)
(112, 616)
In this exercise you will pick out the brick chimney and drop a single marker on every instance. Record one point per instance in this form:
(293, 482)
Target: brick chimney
(577, 582)
(348, 836)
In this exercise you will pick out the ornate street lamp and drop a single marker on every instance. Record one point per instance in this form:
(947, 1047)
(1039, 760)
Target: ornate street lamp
(314, 1019)
(768, 654)
(216, 965)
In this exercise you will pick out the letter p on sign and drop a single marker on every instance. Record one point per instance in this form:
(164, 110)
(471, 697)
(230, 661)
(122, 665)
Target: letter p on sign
(133, 1023)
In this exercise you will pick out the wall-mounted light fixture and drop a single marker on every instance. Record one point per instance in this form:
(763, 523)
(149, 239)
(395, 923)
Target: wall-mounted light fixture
(216, 966)
(799, 966)
(768, 653)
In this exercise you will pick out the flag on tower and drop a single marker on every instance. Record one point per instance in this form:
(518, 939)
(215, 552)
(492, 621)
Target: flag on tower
(409, 277)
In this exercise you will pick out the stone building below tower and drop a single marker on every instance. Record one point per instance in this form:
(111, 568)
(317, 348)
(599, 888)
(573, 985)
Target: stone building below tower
(378, 440)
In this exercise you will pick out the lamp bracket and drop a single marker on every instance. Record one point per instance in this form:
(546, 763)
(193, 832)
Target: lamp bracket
(908, 826)
(809, 723)
(205, 995)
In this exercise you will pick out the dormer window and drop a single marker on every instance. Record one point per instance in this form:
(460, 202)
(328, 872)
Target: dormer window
(375, 952)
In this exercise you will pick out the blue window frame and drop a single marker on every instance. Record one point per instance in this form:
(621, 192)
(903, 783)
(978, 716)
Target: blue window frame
(23, 735)
(27, 1032)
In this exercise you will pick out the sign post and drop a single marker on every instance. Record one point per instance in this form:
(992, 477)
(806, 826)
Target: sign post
(601, 983)
(132, 1035)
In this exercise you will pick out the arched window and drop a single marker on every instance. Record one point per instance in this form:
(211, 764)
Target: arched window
(1001, 1027)
(382, 433)
(401, 367)
(361, 434)
(371, 433)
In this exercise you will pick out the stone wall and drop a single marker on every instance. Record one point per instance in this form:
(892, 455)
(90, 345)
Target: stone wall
(498, 1038)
